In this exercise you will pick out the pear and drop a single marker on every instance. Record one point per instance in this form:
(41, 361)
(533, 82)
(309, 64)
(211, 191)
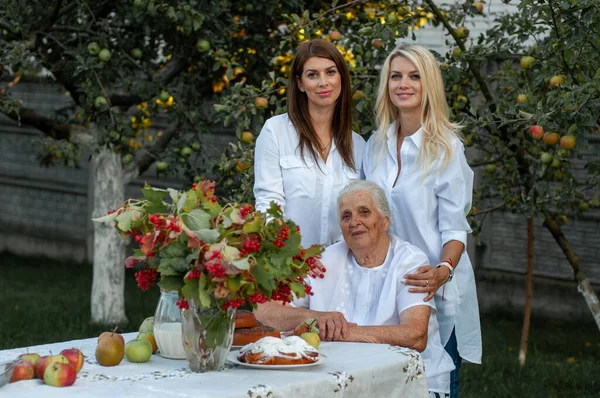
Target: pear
(147, 326)
(110, 350)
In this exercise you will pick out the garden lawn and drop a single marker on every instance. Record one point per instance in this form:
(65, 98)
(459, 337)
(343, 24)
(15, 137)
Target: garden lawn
(43, 301)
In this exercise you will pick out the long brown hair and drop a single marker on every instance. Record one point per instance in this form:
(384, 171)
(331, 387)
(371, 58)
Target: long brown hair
(297, 103)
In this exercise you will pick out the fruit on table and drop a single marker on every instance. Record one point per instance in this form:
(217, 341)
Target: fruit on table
(311, 338)
(23, 370)
(112, 334)
(75, 358)
(138, 350)
(150, 337)
(44, 362)
(110, 349)
(60, 375)
(31, 357)
(147, 325)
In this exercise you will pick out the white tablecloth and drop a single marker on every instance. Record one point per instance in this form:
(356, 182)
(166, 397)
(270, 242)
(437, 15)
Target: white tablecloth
(351, 370)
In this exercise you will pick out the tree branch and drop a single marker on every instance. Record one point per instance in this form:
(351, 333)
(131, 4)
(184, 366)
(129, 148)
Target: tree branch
(50, 127)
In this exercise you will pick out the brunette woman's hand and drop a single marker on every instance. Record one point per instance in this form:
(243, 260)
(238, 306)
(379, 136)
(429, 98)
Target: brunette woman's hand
(427, 279)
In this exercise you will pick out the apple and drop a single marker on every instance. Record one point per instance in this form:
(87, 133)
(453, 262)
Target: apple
(100, 101)
(335, 35)
(479, 6)
(557, 80)
(242, 165)
(196, 146)
(490, 168)
(522, 98)
(164, 96)
(109, 351)
(261, 102)
(147, 325)
(555, 163)
(44, 362)
(202, 45)
(247, 137)
(392, 19)
(93, 48)
(112, 335)
(31, 357)
(104, 55)
(546, 157)
(551, 137)
(583, 206)
(357, 96)
(137, 53)
(562, 153)
(162, 166)
(456, 52)
(568, 142)
(75, 358)
(60, 375)
(462, 32)
(461, 102)
(186, 152)
(403, 10)
(536, 131)
(127, 159)
(23, 370)
(526, 61)
(149, 336)
(311, 338)
(377, 43)
(138, 351)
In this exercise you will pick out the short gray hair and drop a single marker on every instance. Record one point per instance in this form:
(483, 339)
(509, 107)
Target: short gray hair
(377, 194)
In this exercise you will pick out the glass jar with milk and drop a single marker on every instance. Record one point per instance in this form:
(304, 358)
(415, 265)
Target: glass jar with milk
(167, 326)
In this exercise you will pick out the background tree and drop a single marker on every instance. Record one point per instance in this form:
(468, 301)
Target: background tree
(128, 66)
(533, 71)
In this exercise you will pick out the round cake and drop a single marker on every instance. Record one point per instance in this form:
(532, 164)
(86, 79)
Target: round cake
(245, 336)
(244, 319)
(274, 351)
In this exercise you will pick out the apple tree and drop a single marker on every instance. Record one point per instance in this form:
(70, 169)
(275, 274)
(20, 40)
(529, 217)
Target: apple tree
(141, 75)
(527, 93)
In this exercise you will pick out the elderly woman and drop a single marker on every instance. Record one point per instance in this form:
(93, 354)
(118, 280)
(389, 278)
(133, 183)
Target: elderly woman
(363, 297)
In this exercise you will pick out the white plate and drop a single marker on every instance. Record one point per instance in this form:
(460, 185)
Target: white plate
(233, 359)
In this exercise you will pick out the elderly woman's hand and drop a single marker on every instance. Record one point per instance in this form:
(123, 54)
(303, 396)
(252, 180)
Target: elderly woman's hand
(318, 270)
(428, 280)
(332, 326)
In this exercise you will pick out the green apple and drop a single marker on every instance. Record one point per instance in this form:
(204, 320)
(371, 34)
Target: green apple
(546, 157)
(196, 146)
(164, 96)
(522, 98)
(93, 48)
(311, 338)
(526, 61)
(60, 375)
(490, 168)
(162, 166)
(138, 351)
(104, 55)
(137, 53)
(147, 325)
(100, 101)
(186, 151)
(202, 45)
(44, 362)
(127, 159)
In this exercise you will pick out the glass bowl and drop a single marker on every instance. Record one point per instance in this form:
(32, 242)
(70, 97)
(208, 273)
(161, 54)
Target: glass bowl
(6, 371)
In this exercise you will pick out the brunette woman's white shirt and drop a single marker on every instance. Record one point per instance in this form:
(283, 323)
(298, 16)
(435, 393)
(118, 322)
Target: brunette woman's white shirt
(306, 190)
(429, 211)
(376, 296)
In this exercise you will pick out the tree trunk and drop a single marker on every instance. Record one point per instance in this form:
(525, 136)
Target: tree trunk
(529, 294)
(108, 286)
(583, 283)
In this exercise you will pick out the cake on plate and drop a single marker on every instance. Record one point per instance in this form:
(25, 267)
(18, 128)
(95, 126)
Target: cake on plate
(275, 351)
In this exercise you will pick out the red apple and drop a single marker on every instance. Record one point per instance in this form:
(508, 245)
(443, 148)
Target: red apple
(536, 131)
(31, 357)
(23, 370)
(568, 141)
(60, 375)
(551, 138)
(112, 335)
(44, 362)
(75, 358)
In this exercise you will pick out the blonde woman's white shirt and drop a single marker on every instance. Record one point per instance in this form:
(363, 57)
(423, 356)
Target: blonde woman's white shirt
(306, 190)
(376, 296)
(429, 211)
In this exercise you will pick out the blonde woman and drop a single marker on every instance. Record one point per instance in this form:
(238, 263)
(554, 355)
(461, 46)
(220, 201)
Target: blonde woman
(417, 156)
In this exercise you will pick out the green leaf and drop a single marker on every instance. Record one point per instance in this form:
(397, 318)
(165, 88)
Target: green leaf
(191, 201)
(298, 289)
(124, 221)
(208, 235)
(153, 194)
(107, 218)
(170, 283)
(203, 293)
(241, 264)
(255, 225)
(196, 220)
(190, 289)
(263, 278)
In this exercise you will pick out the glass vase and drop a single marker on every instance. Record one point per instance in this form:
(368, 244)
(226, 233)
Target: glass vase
(167, 326)
(207, 336)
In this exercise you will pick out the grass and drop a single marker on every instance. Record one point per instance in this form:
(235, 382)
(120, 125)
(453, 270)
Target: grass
(44, 301)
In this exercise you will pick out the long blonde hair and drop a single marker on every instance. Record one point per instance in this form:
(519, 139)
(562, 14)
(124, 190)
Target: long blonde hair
(436, 126)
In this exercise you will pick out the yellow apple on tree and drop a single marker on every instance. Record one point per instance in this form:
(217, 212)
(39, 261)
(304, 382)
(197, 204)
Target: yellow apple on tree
(551, 138)
(522, 98)
(557, 80)
(526, 61)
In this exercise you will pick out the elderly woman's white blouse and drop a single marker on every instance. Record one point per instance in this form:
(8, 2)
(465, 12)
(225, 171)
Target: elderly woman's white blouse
(429, 211)
(376, 296)
(306, 191)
